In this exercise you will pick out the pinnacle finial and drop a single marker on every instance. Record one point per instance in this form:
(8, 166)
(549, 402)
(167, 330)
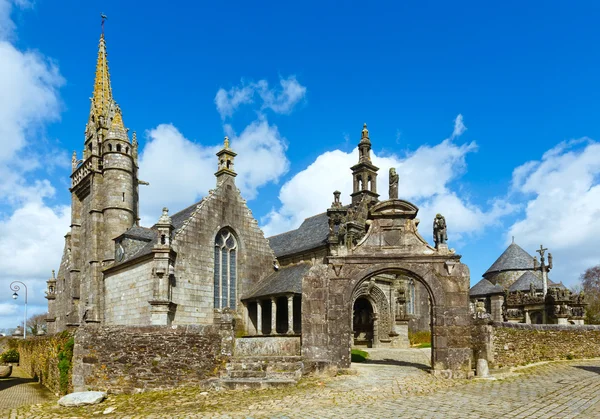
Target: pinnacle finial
(53, 274)
(365, 131)
(164, 218)
(226, 142)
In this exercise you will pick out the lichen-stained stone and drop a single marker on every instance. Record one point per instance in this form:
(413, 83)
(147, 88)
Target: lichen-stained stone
(82, 398)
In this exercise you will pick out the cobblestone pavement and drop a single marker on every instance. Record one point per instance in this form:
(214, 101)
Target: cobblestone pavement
(380, 389)
(19, 390)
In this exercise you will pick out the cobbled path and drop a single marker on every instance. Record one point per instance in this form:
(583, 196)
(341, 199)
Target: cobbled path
(384, 388)
(19, 390)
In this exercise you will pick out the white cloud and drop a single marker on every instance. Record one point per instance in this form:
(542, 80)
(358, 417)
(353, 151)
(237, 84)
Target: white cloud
(261, 159)
(32, 232)
(282, 101)
(424, 178)
(8, 309)
(459, 127)
(228, 101)
(562, 210)
(279, 101)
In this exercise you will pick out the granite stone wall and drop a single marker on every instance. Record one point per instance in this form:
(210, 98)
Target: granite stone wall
(48, 359)
(519, 344)
(194, 245)
(126, 295)
(120, 359)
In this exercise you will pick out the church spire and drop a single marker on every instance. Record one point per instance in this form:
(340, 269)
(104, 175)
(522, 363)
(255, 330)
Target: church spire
(102, 96)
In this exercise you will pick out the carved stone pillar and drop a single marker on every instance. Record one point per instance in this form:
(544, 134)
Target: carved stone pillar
(258, 317)
(527, 318)
(290, 301)
(496, 303)
(273, 315)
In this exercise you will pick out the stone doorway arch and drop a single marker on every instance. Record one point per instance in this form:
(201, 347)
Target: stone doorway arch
(392, 244)
(364, 322)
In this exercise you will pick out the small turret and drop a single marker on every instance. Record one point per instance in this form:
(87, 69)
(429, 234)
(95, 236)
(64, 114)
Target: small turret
(225, 168)
(364, 173)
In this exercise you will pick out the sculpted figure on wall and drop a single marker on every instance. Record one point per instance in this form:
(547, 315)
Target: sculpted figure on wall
(394, 178)
(440, 235)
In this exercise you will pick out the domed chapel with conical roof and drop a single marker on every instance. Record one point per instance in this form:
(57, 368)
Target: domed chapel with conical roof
(516, 288)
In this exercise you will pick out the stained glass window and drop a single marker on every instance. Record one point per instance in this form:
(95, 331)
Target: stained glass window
(225, 275)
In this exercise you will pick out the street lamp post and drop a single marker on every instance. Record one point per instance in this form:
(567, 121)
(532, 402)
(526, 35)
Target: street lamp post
(14, 287)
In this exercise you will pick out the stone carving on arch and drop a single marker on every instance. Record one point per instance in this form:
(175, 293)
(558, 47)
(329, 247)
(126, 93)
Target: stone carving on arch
(371, 291)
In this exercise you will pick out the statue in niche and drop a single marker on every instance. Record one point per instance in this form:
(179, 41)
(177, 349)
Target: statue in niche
(440, 235)
(394, 183)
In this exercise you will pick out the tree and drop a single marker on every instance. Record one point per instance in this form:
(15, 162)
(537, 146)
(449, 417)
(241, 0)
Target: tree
(36, 324)
(590, 281)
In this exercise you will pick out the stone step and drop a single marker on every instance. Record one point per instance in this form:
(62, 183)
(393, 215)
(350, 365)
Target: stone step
(264, 366)
(253, 383)
(249, 359)
(245, 374)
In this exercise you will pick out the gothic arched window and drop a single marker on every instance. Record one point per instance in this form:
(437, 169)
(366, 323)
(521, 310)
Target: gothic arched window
(225, 270)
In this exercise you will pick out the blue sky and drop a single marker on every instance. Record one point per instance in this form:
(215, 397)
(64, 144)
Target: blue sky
(488, 110)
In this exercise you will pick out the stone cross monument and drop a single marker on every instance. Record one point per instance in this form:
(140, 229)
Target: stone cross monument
(543, 267)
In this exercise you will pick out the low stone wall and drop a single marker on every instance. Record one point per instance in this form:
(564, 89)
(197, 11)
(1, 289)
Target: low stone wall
(268, 346)
(519, 344)
(48, 359)
(122, 359)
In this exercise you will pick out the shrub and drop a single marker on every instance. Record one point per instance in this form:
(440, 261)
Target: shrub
(12, 355)
(356, 355)
(65, 355)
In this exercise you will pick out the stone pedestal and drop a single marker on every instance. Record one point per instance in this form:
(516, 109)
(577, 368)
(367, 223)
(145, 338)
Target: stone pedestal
(482, 368)
(443, 247)
(563, 320)
(400, 335)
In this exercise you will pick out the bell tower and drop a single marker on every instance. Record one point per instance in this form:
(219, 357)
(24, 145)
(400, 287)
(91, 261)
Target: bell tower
(364, 173)
(104, 196)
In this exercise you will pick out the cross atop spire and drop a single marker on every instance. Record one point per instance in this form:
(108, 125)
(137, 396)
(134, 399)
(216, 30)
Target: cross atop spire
(103, 17)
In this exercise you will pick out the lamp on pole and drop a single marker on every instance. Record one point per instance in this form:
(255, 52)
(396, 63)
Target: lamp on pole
(14, 287)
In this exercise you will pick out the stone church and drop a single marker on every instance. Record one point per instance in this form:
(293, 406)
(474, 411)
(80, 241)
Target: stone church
(516, 289)
(358, 273)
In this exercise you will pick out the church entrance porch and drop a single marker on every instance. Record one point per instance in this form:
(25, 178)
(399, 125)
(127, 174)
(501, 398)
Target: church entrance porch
(363, 323)
(378, 268)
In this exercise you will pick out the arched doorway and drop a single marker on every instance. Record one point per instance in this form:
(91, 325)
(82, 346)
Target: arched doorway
(392, 311)
(362, 322)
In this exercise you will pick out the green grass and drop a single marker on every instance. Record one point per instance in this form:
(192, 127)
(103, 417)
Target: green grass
(420, 338)
(424, 345)
(356, 355)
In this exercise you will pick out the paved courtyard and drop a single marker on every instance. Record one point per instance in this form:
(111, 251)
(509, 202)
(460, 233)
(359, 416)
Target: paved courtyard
(391, 386)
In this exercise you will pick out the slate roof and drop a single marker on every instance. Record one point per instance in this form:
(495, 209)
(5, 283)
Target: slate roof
(522, 283)
(311, 234)
(513, 258)
(286, 280)
(140, 233)
(151, 234)
(485, 287)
